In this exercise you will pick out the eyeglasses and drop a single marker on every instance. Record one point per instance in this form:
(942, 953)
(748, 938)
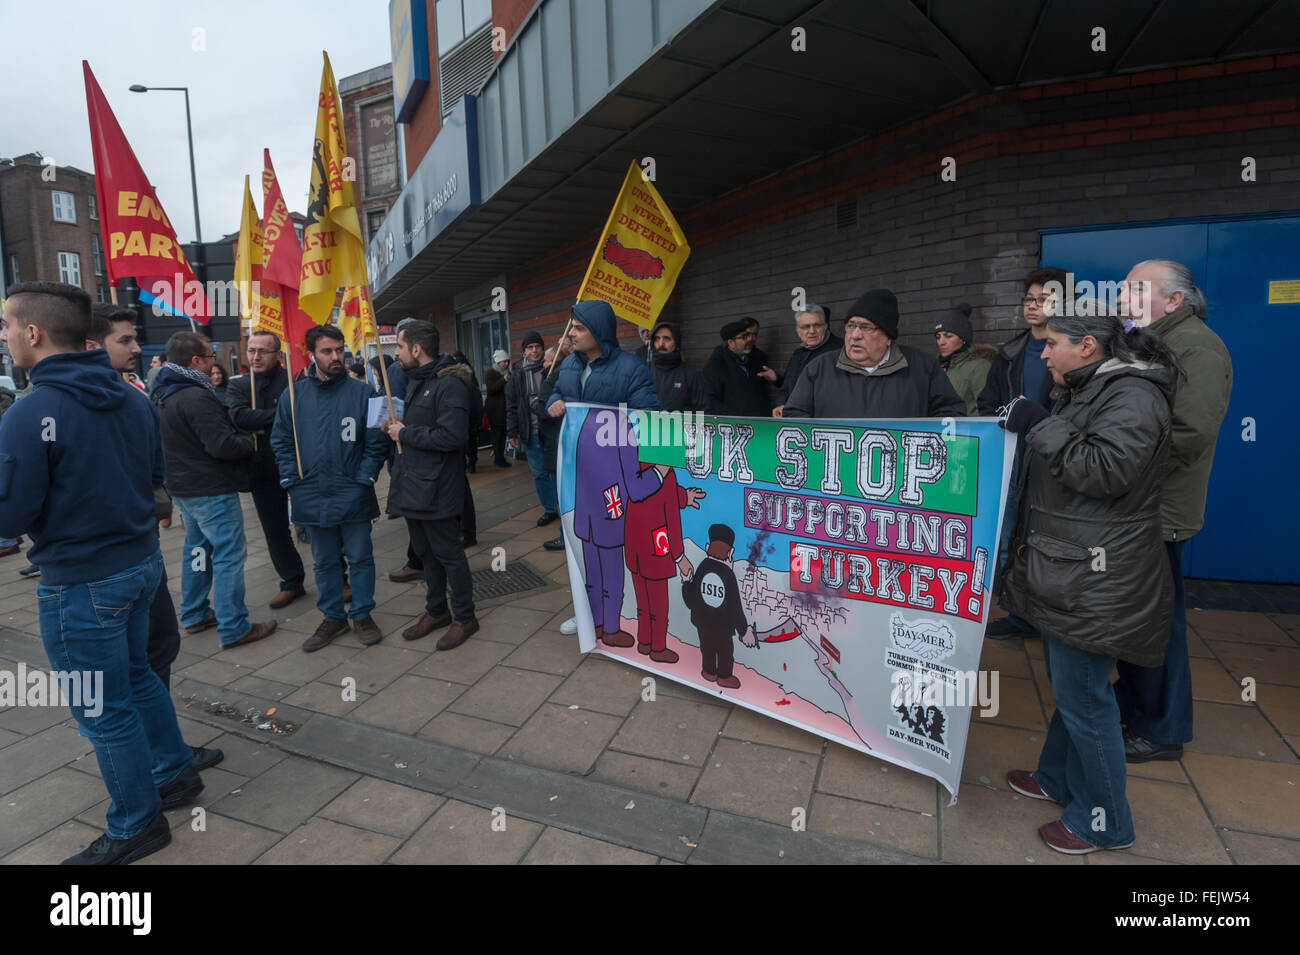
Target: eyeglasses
(1036, 300)
(810, 327)
(866, 328)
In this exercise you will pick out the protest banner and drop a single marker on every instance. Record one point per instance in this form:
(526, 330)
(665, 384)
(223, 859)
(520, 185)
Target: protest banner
(834, 575)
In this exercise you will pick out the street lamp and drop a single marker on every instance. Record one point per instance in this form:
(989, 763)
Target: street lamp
(194, 179)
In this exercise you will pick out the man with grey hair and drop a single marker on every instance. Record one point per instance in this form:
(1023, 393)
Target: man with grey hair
(813, 327)
(1160, 294)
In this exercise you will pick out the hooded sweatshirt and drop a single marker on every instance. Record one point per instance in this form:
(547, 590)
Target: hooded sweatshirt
(680, 387)
(79, 460)
(613, 378)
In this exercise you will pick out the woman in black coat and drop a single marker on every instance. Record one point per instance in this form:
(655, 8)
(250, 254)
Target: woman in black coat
(1088, 566)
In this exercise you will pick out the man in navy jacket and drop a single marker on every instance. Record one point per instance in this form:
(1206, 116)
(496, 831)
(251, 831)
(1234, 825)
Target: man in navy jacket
(334, 498)
(84, 437)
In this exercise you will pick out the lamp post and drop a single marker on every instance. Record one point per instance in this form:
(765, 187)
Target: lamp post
(200, 260)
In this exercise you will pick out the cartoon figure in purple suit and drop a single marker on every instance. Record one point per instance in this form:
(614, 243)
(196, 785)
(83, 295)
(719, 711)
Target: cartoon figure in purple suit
(606, 483)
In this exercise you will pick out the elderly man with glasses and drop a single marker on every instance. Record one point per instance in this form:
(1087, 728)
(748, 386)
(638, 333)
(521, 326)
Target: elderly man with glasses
(873, 376)
(815, 338)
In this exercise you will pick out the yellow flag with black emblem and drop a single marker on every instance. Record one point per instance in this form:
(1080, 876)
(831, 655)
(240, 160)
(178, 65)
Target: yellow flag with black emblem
(333, 254)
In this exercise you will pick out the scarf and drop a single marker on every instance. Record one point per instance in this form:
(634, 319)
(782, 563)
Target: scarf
(196, 376)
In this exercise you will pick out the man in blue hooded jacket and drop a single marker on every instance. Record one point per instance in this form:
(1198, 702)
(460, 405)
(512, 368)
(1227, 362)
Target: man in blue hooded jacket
(599, 372)
(333, 495)
(84, 436)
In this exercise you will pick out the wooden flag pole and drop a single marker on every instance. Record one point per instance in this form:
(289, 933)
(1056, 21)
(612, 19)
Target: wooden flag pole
(252, 387)
(558, 350)
(383, 370)
(293, 409)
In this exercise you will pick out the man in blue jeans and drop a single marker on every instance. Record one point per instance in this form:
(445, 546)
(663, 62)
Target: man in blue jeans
(84, 433)
(522, 428)
(334, 492)
(208, 464)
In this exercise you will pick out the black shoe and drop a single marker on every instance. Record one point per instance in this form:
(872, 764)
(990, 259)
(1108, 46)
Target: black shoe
(206, 758)
(557, 544)
(546, 518)
(1004, 629)
(502, 463)
(1139, 750)
(106, 851)
(183, 788)
(31, 570)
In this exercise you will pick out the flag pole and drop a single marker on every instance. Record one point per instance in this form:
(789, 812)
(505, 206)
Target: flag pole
(388, 392)
(252, 386)
(293, 410)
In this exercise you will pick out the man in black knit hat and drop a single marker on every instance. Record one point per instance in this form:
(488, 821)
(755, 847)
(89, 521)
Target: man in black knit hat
(522, 425)
(873, 376)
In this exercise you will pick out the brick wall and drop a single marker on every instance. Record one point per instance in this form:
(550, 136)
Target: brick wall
(31, 232)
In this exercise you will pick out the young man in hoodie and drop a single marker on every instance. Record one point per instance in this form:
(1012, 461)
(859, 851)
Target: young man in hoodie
(522, 427)
(429, 485)
(599, 372)
(207, 467)
(334, 493)
(100, 565)
(679, 386)
(874, 376)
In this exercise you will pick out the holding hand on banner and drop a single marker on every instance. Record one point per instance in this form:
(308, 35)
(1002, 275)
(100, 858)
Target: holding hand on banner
(556, 409)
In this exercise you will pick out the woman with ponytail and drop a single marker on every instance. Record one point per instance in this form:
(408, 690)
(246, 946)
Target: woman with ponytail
(1088, 567)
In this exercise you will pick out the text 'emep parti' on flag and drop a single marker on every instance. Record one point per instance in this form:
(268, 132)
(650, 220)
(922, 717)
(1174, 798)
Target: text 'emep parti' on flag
(139, 241)
(639, 254)
(833, 575)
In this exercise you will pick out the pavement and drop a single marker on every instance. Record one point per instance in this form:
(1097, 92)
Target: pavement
(516, 747)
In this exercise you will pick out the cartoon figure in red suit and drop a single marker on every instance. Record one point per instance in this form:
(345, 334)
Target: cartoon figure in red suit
(652, 547)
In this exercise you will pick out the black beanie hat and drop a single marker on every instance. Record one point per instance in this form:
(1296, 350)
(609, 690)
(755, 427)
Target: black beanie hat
(532, 338)
(721, 532)
(732, 330)
(880, 307)
(957, 321)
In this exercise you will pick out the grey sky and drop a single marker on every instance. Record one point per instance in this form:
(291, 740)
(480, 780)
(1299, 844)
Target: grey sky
(253, 86)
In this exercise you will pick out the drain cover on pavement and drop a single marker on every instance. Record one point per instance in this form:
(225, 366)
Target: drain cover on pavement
(516, 578)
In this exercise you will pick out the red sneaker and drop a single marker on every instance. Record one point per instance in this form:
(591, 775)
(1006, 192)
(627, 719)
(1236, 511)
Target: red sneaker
(1058, 836)
(1022, 781)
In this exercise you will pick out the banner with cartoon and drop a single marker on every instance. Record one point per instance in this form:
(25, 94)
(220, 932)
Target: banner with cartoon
(834, 575)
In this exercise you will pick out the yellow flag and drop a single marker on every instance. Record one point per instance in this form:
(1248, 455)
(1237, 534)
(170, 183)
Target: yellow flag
(639, 254)
(357, 319)
(248, 262)
(333, 254)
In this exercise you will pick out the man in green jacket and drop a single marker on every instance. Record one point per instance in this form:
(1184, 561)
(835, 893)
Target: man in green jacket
(1160, 293)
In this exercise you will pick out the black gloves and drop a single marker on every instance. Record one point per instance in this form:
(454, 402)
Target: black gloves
(1024, 415)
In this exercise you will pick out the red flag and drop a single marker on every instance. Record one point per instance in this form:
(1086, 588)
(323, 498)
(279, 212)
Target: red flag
(139, 241)
(282, 266)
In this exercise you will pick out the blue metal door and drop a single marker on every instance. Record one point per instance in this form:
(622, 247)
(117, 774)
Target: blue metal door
(1250, 516)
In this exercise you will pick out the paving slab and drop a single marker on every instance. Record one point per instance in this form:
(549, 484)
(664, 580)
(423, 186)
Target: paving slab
(467, 732)
(1171, 824)
(285, 795)
(463, 834)
(991, 827)
(326, 842)
(381, 806)
(44, 804)
(44, 752)
(222, 841)
(757, 781)
(846, 772)
(734, 840)
(408, 703)
(557, 737)
(1233, 730)
(506, 695)
(656, 776)
(603, 685)
(911, 832)
(558, 847)
(680, 731)
(1246, 794)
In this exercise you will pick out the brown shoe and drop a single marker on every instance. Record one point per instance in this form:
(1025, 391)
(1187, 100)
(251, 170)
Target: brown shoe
(327, 631)
(458, 633)
(425, 626)
(644, 649)
(258, 631)
(664, 656)
(405, 575)
(10, 550)
(619, 638)
(711, 677)
(202, 625)
(730, 682)
(367, 630)
(286, 597)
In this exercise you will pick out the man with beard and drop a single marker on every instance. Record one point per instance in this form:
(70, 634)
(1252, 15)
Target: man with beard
(269, 497)
(680, 387)
(335, 496)
(429, 480)
(732, 375)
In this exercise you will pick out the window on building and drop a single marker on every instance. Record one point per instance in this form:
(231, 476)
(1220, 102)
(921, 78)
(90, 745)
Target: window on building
(70, 268)
(97, 254)
(90, 204)
(374, 219)
(65, 207)
(464, 48)
(13, 269)
(297, 227)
